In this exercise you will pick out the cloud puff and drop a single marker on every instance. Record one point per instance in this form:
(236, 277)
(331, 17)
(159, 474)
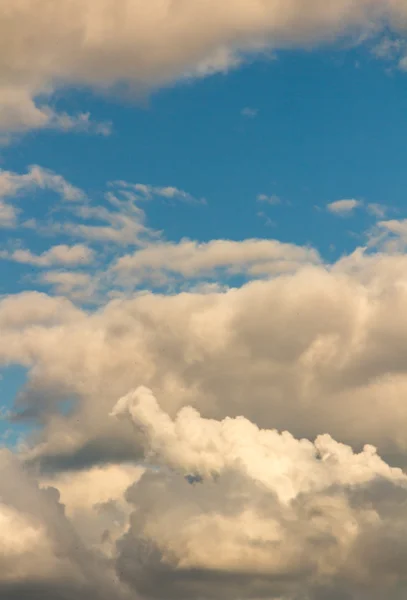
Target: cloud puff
(343, 207)
(102, 44)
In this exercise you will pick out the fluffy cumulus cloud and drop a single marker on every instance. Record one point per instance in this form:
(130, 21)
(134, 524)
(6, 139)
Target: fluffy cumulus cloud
(46, 45)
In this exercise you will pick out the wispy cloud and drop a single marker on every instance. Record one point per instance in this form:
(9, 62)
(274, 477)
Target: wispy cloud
(250, 113)
(145, 191)
(14, 184)
(377, 210)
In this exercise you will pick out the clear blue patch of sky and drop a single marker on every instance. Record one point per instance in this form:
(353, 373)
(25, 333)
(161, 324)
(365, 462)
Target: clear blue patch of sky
(330, 125)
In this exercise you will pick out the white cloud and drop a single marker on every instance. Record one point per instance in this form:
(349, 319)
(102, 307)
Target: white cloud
(343, 207)
(13, 184)
(57, 255)
(105, 43)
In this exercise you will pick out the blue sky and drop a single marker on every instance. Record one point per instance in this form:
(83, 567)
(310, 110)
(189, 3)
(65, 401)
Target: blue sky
(325, 122)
